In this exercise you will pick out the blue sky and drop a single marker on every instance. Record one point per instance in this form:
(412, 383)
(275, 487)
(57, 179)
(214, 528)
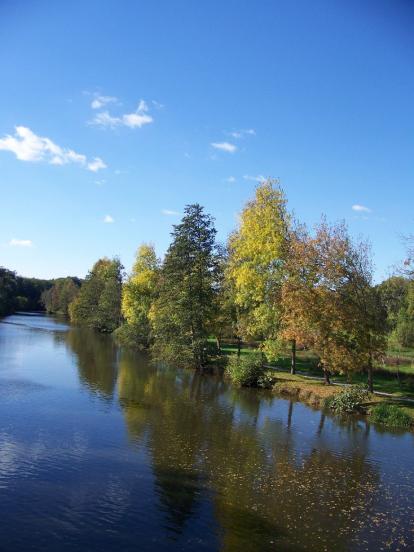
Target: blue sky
(114, 115)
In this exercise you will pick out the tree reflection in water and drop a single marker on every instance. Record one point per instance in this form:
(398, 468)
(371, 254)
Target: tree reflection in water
(206, 443)
(269, 482)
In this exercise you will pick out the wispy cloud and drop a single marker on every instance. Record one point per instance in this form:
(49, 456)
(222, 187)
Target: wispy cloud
(237, 134)
(136, 119)
(361, 208)
(28, 146)
(108, 219)
(230, 179)
(224, 146)
(169, 212)
(158, 105)
(257, 178)
(101, 101)
(20, 243)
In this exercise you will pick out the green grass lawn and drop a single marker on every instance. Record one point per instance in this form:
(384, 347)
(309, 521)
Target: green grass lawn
(385, 376)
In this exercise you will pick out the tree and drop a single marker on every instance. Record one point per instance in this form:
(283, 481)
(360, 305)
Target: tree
(403, 333)
(393, 293)
(329, 302)
(256, 267)
(98, 304)
(8, 291)
(183, 312)
(58, 298)
(20, 293)
(138, 294)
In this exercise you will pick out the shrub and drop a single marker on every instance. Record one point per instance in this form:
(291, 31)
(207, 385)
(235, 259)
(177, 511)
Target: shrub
(245, 370)
(351, 399)
(129, 336)
(390, 415)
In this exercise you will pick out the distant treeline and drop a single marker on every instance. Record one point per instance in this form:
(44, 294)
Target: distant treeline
(18, 293)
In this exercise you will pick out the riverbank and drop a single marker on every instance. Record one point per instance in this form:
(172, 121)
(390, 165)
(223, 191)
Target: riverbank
(318, 395)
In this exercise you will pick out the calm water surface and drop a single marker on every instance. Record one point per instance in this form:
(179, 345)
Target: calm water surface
(99, 450)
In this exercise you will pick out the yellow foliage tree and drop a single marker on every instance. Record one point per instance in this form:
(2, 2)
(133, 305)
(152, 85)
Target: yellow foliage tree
(257, 255)
(137, 297)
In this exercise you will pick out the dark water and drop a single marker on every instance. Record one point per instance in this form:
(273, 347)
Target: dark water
(101, 451)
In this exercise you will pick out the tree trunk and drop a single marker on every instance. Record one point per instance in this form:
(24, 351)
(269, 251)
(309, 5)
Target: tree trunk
(218, 343)
(238, 346)
(326, 376)
(293, 357)
(370, 379)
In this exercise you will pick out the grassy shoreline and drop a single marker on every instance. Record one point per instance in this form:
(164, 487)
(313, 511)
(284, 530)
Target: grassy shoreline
(317, 394)
(392, 404)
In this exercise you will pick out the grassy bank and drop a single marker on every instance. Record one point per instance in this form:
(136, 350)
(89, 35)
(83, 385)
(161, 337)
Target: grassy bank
(389, 377)
(318, 395)
(390, 411)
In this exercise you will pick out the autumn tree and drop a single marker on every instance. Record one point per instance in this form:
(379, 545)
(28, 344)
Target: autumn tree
(182, 314)
(258, 250)
(138, 294)
(98, 304)
(329, 302)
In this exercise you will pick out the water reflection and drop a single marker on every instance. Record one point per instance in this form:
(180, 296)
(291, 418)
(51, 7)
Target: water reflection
(264, 491)
(96, 357)
(181, 461)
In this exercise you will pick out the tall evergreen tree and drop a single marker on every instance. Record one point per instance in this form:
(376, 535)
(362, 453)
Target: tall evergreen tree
(182, 314)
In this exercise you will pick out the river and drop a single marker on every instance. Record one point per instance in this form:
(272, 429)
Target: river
(101, 450)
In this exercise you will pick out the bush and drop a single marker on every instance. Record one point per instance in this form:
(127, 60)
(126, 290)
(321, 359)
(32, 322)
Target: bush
(390, 415)
(129, 336)
(245, 370)
(351, 399)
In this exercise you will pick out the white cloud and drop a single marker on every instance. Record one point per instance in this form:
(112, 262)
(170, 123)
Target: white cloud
(96, 165)
(136, 119)
(28, 146)
(257, 178)
(231, 179)
(108, 219)
(241, 133)
(361, 208)
(224, 146)
(100, 101)
(169, 212)
(20, 243)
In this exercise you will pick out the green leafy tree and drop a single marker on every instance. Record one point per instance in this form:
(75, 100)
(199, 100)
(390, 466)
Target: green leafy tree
(393, 293)
(138, 294)
(183, 313)
(98, 304)
(403, 334)
(8, 291)
(58, 298)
